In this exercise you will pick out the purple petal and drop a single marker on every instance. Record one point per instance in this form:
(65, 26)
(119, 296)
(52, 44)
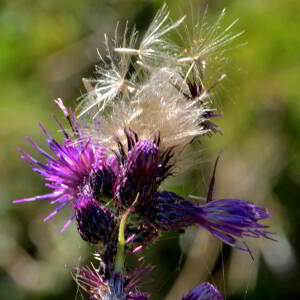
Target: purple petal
(230, 220)
(204, 291)
(40, 197)
(69, 172)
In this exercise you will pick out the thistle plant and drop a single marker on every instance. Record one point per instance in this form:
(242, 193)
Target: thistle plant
(150, 101)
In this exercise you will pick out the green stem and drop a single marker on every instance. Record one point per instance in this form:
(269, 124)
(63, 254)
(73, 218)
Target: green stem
(120, 257)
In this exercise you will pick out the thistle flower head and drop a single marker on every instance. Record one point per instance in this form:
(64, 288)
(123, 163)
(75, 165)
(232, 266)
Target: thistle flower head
(113, 79)
(95, 223)
(177, 120)
(142, 169)
(148, 103)
(138, 173)
(169, 98)
(74, 171)
(143, 159)
(204, 291)
(118, 287)
(230, 220)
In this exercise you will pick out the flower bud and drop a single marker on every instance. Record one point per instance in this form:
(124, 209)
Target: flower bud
(139, 173)
(94, 222)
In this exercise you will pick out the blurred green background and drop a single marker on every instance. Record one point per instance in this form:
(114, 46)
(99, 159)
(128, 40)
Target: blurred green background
(46, 47)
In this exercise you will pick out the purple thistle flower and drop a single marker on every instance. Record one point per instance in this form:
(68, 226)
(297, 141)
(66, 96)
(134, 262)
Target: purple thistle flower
(230, 220)
(76, 170)
(204, 291)
(141, 173)
(138, 175)
(95, 223)
(141, 170)
(118, 286)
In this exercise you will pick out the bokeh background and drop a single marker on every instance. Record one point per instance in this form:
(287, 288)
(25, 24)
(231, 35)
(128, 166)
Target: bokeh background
(47, 47)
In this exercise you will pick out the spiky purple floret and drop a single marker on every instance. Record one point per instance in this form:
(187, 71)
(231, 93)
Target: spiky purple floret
(143, 158)
(118, 286)
(95, 223)
(204, 291)
(138, 175)
(228, 219)
(141, 170)
(126, 286)
(90, 280)
(70, 172)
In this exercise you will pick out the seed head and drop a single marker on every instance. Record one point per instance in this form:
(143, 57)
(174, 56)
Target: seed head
(111, 75)
(154, 47)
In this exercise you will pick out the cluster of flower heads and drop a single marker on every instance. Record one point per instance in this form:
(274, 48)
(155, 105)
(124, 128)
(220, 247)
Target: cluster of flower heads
(149, 102)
